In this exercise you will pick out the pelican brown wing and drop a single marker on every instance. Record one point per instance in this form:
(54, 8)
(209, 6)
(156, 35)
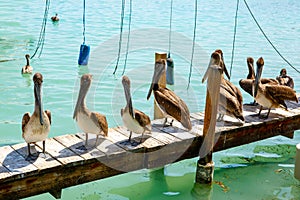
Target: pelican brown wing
(48, 113)
(101, 121)
(25, 120)
(142, 118)
(173, 106)
(230, 104)
(246, 85)
(281, 92)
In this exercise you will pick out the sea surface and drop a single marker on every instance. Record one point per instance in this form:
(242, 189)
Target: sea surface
(261, 170)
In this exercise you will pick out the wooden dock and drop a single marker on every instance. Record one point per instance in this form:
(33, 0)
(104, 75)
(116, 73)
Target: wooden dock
(66, 164)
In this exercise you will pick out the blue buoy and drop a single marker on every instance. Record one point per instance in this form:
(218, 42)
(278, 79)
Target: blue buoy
(84, 54)
(170, 71)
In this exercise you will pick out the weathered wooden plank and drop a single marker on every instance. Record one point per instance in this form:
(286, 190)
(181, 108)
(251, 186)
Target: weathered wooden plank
(15, 163)
(77, 145)
(61, 153)
(4, 172)
(42, 161)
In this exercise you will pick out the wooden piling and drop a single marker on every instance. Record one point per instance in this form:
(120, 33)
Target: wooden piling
(205, 165)
(162, 83)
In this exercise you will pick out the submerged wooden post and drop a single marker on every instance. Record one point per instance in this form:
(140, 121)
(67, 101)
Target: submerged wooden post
(162, 83)
(205, 166)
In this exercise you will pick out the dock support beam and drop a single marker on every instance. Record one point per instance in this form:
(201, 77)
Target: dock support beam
(162, 82)
(205, 165)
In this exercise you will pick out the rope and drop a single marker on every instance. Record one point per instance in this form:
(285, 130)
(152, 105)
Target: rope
(269, 39)
(83, 22)
(234, 34)
(193, 46)
(171, 14)
(41, 40)
(121, 32)
(128, 36)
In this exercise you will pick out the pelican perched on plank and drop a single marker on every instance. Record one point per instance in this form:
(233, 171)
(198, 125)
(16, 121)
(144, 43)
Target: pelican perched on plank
(27, 69)
(36, 127)
(168, 102)
(89, 122)
(270, 96)
(136, 121)
(231, 100)
(246, 84)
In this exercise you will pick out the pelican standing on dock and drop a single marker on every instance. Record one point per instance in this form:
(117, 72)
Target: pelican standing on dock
(231, 100)
(89, 122)
(270, 96)
(36, 127)
(136, 121)
(246, 84)
(168, 102)
(27, 69)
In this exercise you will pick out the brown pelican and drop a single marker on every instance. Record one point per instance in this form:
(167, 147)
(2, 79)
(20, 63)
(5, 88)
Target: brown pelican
(246, 84)
(27, 69)
(284, 79)
(168, 102)
(231, 100)
(36, 127)
(55, 18)
(89, 122)
(270, 96)
(136, 121)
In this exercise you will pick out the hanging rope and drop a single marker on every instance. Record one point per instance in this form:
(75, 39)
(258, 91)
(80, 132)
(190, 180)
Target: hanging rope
(128, 36)
(170, 31)
(41, 40)
(193, 46)
(121, 33)
(234, 34)
(269, 39)
(83, 22)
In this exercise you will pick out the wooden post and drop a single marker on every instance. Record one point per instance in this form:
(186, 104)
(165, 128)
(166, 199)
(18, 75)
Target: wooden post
(205, 166)
(162, 83)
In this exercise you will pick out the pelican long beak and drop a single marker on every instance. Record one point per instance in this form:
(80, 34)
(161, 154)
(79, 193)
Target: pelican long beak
(38, 100)
(126, 86)
(84, 87)
(150, 91)
(158, 72)
(225, 70)
(257, 78)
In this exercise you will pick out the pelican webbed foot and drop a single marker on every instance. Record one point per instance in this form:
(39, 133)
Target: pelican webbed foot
(165, 124)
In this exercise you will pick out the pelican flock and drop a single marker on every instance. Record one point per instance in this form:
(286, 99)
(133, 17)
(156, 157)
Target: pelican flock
(36, 127)
(246, 84)
(135, 120)
(27, 69)
(168, 102)
(268, 95)
(89, 122)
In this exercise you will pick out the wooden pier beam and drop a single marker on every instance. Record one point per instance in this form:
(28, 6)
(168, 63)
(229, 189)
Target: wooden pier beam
(162, 83)
(205, 165)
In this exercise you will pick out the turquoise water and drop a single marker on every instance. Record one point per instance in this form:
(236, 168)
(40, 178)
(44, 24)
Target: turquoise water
(261, 170)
